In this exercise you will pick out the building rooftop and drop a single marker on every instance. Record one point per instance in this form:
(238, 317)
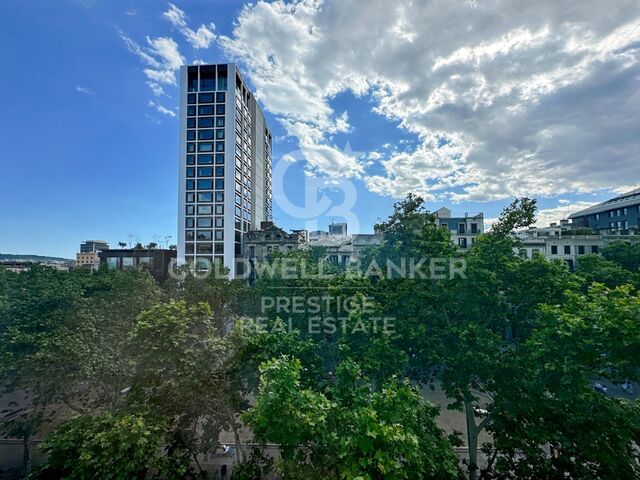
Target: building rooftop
(624, 200)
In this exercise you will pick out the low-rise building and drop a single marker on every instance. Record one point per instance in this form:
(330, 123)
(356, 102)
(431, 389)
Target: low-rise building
(619, 215)
(258, 244)
(463, 227)
(88, 257)
(156, 261)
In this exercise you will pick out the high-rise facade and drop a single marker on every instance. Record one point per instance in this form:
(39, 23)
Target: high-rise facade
(225, 165)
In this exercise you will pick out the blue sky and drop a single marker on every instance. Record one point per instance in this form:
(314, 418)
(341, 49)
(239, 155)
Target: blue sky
(468, 104)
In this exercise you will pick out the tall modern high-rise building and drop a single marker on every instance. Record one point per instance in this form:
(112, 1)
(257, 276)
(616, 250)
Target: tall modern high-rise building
(225, 164)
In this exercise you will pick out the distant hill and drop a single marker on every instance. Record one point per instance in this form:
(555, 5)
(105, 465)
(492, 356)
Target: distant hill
(31, 258)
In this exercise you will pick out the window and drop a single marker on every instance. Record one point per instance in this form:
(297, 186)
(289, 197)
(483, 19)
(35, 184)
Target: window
(219, 109)
(191, 134)
(191, 172)
(191, 111)
(219, 159)
(191, 159)
(567, 249)
(204, 222)
(205, 184)
(610, 213)
(220, 97)
(191, 147)
(207, 78)
(554, 249)
(128, 262)
(219, 222)
(205, 235)
(219, 235)
(462, 242)
(205, 159)
(191, 98)
(189, 235)
(190, 210)
(205, 197)
(190, 185)
(112, 263)
(205, 135)
(205, 210)
(220, 134)
(219, 146)
(204, 248)
(580, 249)
(205, 122)
(594, 248)
(205, 98)
(219, 196)
(205, 147)
(597, 216)
(188, 248)
(219, 184)
(189, 222)
(191, 197)
(219, 248)
(474, 228)
(461, 228)
(205, 110)
(205, 172)
(219, 121)
(219, 209)
(219, 171)
(191, 123)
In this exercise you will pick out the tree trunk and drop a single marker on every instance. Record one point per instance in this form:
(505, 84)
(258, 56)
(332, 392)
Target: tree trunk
(472, 440)
(26, 454)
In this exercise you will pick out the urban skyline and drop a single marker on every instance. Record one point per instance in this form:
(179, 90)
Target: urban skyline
(119, 116)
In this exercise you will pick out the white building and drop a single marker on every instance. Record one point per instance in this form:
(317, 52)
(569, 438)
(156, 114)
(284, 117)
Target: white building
(225, 164)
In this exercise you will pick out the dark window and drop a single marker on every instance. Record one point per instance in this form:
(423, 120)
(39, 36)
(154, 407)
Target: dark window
(219, 121)
(461, 228)
(205, 147)
(191, 111)
(190, 184)
(207, 78)
(205, 235)
(222, 77)
(204, 248)
(554, 249)
(191, 159)
(191, 197)
(219, 196)
(191, 123)
(205, 159)
(192, 79)
(205, 110)
(191, 172)
(205, 122)
(219, 146)
(204, 222)
(580, 249)
(205, 197)
(219, 159)
(219, 171)
(189, 248)
(189, 235)
(190, 210)
(474, 228)
(594, 248)
(567, 249)
(220, 97)
(205, 185)
(191, 135)
(191, 147)
(219, 248)
(219, 109)
(219, 184)
(189, 222)
(205, 98)
(219, 209)
(205, 134)
(191, 98)
(219, 235)
(205, 172)
(220, 134)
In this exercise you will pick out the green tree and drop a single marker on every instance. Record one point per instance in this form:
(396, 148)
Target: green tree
(595, 268)
(624, 253)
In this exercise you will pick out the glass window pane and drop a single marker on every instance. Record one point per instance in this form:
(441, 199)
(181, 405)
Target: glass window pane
(205, 172)
(205, 159)
(204, 222)
(205, 184)
(205, 135)
(205, 197)
(205, 147)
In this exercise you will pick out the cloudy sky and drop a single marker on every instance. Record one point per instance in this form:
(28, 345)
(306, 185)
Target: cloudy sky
(467, 103)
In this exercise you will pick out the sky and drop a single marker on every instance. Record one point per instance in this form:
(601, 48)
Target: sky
(466, 103)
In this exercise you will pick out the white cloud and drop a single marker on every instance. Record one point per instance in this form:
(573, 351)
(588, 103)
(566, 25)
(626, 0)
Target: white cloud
(504, 98)
(162, 109)
(200, 38)
(85, 90)
(161, 57)
(130, 13)
(548, 215)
